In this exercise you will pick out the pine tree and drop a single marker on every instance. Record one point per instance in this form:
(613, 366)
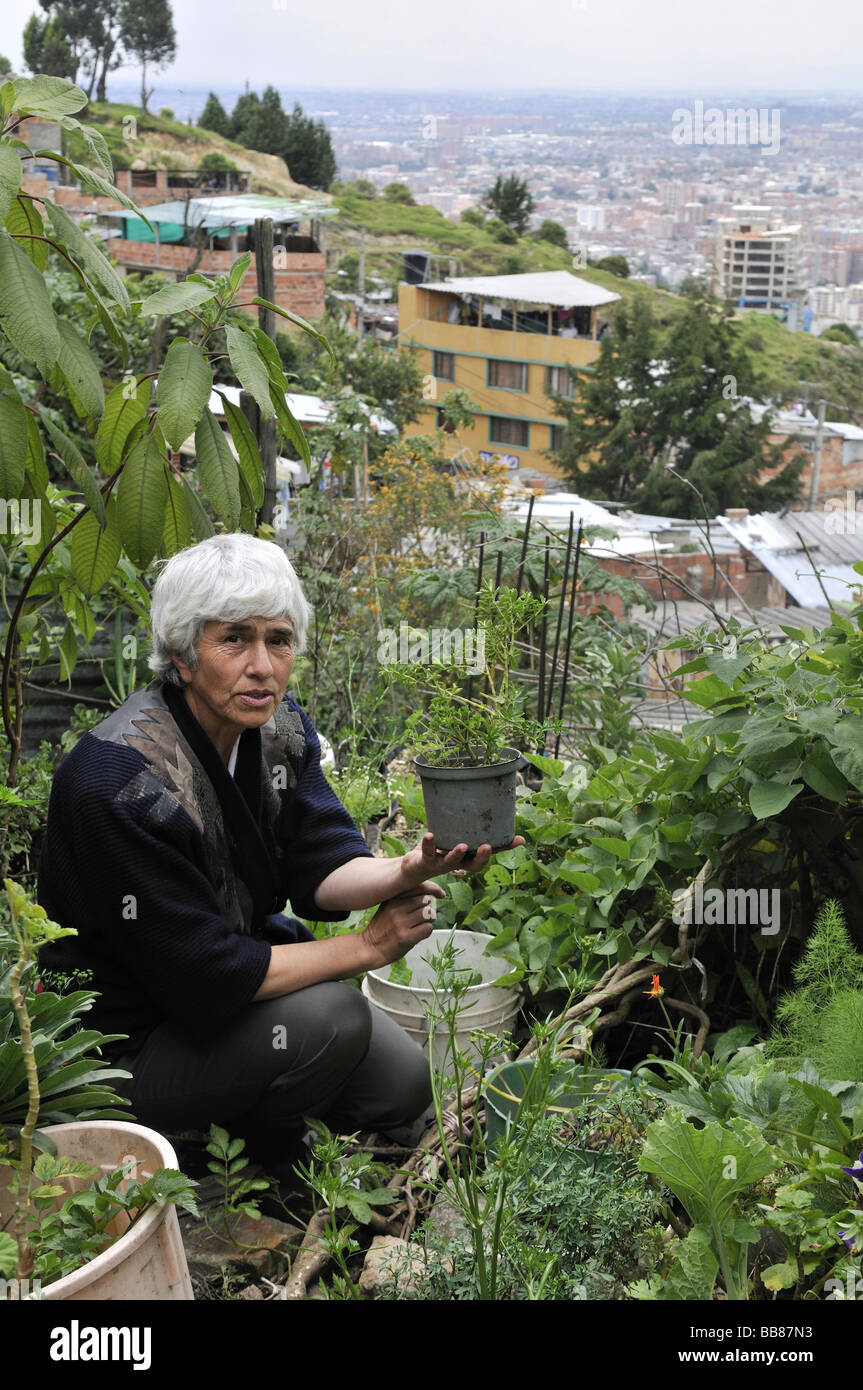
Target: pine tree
(308, 150)
(657, 402)
(510, 199)
(214, 116)
(272, 124)
(46, 48)
(243, 124)
(147, 30)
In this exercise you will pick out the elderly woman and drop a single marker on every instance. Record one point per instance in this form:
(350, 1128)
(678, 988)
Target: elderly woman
(178, 828)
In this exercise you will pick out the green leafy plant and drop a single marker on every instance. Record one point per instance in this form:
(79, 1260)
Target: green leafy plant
(709, 1170)
(25, 1049)
(457, 726)
(346, 1184)
(230, 1165)
(822, 1018)
(63, 1238)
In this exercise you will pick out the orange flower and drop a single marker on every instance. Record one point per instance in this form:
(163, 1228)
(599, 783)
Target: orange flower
(655, 988)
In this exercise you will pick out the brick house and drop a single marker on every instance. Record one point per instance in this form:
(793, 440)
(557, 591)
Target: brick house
(208, 233)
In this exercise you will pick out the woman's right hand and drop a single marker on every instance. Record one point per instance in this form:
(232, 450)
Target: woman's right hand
(400, 923)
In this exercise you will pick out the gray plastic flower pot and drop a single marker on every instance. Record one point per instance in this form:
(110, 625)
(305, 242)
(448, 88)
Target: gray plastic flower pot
(470, 804)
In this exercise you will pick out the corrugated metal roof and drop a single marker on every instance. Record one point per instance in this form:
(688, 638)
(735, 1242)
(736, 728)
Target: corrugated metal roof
(777, 542)
(239, 210)
(556, 287)
(670, 620)
(555, 508)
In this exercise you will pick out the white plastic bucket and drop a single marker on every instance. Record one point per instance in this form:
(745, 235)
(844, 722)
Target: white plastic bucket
(486, 1006)
(147, 1262)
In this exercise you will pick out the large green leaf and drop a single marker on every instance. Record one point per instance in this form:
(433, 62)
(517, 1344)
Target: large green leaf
(249, 369)
(68, 649)
(183, 392)
(95, 142)
(693, 1274)
(10, 178)
(850, 763)
(84, 250)
(24, 223)
(251, 463)
(47, 518)
(177, 534)
(819, 772)
(706, 1168)
(13, 444)
(142, 494)
(202, 526)
(238, 271)
(51, 97)
(291, 427)
(174, 299)
(125, 406)
(300, 322)
(37, 468)
(80, 369)
(79, 471)
(96, 183)
(770, 798)
(94, 550)
(26, 315)
(217, 469)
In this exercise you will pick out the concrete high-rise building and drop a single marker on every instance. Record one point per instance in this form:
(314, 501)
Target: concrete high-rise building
(758, 261)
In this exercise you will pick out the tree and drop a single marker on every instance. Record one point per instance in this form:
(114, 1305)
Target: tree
(214, 117)
(46, 48)
(308, 150)
(216, 163)
(89, 29)
(654, 404)
(147, 28)
(272, 124)
(103, 37)
(398, 193)
(245, 118)
(615, 265)
(510, 199)
(555, 232)
(5, 65)
(841, 333)
(473, 217)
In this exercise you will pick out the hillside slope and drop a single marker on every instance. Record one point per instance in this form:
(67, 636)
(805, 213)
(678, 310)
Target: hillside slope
(782, 359)
(160, 142)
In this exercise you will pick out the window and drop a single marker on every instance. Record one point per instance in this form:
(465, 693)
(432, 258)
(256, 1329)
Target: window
(556, 437)
(511, 376)
(443, 365)
(503, 429)
(559, 380)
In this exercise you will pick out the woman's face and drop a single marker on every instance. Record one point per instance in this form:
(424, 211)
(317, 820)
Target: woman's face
(243, 670)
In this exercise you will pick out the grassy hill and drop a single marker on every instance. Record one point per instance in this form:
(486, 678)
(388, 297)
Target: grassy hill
(160, 142)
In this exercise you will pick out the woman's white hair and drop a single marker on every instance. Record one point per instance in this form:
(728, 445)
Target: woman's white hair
(226, 579)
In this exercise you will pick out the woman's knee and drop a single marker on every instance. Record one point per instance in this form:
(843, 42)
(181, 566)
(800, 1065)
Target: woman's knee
(331, 1020)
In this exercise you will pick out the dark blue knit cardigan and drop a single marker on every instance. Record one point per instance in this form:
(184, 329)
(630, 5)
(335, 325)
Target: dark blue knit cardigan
(174, 873)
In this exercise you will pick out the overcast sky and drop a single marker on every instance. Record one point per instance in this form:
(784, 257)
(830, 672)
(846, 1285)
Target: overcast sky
(690, 46)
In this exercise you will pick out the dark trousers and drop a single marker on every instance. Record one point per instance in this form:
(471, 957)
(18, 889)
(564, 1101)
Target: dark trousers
(322, 1051)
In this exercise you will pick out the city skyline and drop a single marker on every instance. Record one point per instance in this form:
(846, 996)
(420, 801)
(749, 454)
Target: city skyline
(792, 46)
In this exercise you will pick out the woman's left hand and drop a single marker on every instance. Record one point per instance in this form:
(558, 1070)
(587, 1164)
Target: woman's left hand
(426, 861)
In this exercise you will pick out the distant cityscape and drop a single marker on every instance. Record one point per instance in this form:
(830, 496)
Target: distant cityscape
(657, 180)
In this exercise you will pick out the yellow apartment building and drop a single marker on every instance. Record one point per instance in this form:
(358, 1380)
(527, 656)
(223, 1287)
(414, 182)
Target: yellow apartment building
(507, 339)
